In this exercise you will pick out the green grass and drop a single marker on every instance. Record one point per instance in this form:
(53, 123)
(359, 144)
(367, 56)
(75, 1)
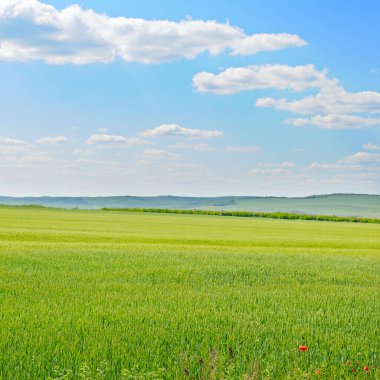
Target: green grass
(114, 295)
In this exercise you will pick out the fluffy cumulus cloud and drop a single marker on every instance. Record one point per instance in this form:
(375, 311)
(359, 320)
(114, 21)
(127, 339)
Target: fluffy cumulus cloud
(112, 140)
(332, 106)
(334, 121)
(52, 140)
(332, 102)
(79, 36)
(177, 130)
(283, 77)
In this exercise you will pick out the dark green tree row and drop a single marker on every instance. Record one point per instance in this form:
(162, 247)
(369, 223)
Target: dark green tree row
(251, 214)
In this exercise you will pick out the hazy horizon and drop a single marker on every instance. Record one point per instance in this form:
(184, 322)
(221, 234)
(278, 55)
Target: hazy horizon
(184, 196)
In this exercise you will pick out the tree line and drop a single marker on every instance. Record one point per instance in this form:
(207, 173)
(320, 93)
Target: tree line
(251, 214)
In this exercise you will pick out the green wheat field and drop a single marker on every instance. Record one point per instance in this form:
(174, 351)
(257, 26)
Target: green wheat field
(114, 295)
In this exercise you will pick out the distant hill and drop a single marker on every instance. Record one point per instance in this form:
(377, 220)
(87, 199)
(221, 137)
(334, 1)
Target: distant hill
(333, 204)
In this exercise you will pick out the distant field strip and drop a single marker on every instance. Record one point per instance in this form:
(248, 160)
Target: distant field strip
(252, 214)
(129, 295)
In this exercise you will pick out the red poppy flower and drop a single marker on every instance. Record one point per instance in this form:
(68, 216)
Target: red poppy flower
(353, 370)
(317, 371)
(366, 368)
(302, 348)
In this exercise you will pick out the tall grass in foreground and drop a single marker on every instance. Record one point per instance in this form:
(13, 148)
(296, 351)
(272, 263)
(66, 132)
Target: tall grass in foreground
(95, 295)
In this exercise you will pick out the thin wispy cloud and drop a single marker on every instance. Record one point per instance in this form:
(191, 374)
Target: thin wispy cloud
(371, 146)
(58, 140)
(177, 130)
(361, 157)
(337, 101)
(81, 153)
(37, 158)
(114, 140)
(272, 168)
(242, 149)
(334, 121)
(280, 165)
(11, 142)
(200, 147)
(160, 154)
(332, 166)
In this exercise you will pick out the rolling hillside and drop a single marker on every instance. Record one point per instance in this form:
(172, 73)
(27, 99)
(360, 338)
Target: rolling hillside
(334, 204)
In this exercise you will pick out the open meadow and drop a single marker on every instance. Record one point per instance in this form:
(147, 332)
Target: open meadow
(113, 295)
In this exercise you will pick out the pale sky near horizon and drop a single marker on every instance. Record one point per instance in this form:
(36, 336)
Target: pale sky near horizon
(198, 98)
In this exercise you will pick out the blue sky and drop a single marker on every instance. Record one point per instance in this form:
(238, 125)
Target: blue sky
(189, 98)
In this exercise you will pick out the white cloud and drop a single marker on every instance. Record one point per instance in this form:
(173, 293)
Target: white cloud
(108, 140)
(362, 162)
(273, 169)
(183, 169)
(79, 36)
(267, 171)
(331, 98)
(333, 101)
(177, 130)
(135, 141)
(281, 165)
(266, 42)
(197, 147)
(334, 121)
(37, 158)
(52, 140)
(371, 146)
(81, 153)
(160, 153)
(332, 166)
(163, 176)
(283, 77)
(92, 161)
(11, 142)
(242, 149)
(361, 157)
